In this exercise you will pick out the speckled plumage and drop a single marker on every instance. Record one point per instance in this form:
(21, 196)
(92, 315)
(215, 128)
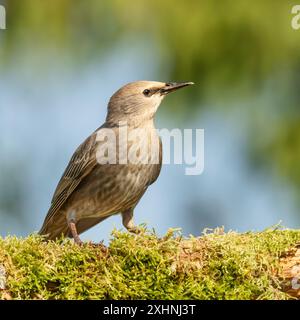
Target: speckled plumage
(89, 192)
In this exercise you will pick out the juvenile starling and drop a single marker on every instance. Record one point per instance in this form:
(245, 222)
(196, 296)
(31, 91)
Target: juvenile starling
(90, 190)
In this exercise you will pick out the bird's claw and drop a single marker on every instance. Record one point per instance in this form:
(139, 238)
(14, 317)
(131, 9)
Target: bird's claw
(135, 230)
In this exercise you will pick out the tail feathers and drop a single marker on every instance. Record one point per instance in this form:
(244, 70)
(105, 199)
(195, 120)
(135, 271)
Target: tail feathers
(58, 228)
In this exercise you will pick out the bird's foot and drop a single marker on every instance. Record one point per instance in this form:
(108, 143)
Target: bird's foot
(75, 235)
(135, 230)
(78, 241)
(127, 217)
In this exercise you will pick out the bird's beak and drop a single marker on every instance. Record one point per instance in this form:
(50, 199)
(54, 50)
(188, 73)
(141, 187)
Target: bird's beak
(173, 86)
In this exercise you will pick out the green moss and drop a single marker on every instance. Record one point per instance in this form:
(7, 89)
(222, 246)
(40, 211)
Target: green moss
(214, 266)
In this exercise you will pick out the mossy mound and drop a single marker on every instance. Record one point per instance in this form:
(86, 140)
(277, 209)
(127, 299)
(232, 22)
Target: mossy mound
(216, 265)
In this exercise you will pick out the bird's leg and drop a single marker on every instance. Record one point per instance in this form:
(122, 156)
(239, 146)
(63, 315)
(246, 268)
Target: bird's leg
(127, 218)
(73, 229)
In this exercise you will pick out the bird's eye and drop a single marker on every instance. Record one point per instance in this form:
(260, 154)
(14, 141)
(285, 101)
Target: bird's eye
(147, 92)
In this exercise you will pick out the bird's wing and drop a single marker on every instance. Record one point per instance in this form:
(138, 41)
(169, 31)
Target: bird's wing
(81, 164)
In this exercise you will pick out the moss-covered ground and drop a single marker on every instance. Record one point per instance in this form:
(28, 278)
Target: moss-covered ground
(216, 265)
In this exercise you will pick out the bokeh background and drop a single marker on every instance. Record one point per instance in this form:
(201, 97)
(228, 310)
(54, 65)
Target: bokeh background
(61, 60)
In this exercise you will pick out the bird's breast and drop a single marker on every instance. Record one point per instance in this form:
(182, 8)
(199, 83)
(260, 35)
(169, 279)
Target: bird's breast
(112, 188)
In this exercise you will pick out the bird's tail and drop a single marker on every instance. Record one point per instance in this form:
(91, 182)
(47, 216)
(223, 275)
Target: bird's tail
(55, 228)
(58, 227)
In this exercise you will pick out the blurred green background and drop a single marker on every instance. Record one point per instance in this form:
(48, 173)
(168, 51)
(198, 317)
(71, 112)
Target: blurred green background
(61, 60)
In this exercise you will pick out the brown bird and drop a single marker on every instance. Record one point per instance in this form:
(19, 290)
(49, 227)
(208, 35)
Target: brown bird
(96, 184)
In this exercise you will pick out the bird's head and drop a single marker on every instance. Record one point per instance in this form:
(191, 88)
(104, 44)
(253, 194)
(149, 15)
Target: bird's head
(138, 101)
